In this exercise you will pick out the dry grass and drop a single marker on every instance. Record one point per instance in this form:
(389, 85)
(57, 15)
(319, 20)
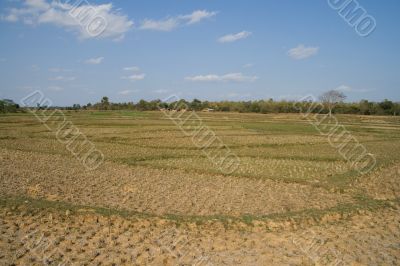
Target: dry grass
(289, 178)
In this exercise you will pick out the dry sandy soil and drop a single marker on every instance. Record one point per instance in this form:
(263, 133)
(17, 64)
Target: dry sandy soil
(38, 237)
(158, 200)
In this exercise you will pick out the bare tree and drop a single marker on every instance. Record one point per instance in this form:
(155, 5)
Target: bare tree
(331, 98)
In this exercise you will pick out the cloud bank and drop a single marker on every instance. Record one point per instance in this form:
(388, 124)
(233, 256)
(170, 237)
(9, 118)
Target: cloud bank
(230, 77)
(80, 19)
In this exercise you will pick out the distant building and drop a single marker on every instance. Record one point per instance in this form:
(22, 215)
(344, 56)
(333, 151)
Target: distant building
(208, 110)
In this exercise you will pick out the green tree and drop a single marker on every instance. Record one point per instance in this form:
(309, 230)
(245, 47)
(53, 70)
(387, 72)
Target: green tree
(195, 105)
(8, 106)
(387, 107)
(105, 104)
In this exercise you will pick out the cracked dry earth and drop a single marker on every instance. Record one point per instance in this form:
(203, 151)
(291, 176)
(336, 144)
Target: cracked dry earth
(156, 200)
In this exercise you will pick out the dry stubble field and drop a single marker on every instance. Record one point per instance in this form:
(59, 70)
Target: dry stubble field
(158, 200)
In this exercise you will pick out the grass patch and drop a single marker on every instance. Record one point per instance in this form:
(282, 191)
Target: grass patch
(345, 210)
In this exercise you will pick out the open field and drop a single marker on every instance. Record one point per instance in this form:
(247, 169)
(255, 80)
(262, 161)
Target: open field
(291, 190)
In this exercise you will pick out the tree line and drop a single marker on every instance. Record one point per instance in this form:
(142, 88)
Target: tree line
(333, 102)
(363, 107)
(8, 106)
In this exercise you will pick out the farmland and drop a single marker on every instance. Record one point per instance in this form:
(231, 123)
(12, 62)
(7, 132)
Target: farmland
(155, 186)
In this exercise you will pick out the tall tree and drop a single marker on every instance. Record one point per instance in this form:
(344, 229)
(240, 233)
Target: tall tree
(330, 98)
(105, 104)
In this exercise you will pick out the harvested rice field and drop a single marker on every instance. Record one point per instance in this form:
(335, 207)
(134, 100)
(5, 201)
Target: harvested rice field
(158, 198)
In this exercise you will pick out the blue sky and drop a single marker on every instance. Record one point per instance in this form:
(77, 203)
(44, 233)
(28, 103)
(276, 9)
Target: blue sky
(210, 50)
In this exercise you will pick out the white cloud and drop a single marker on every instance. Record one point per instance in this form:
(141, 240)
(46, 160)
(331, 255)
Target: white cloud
(37, 4)
(160, 25)
(132, 68)
(302, 52)
(80, 19)
(230, 77)
(135, 77)
(170, 23)
(234, 37)
(197, 16)
(346, 88)
(62, 78)
(28, 14)
(10, 17)
(94, 61)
